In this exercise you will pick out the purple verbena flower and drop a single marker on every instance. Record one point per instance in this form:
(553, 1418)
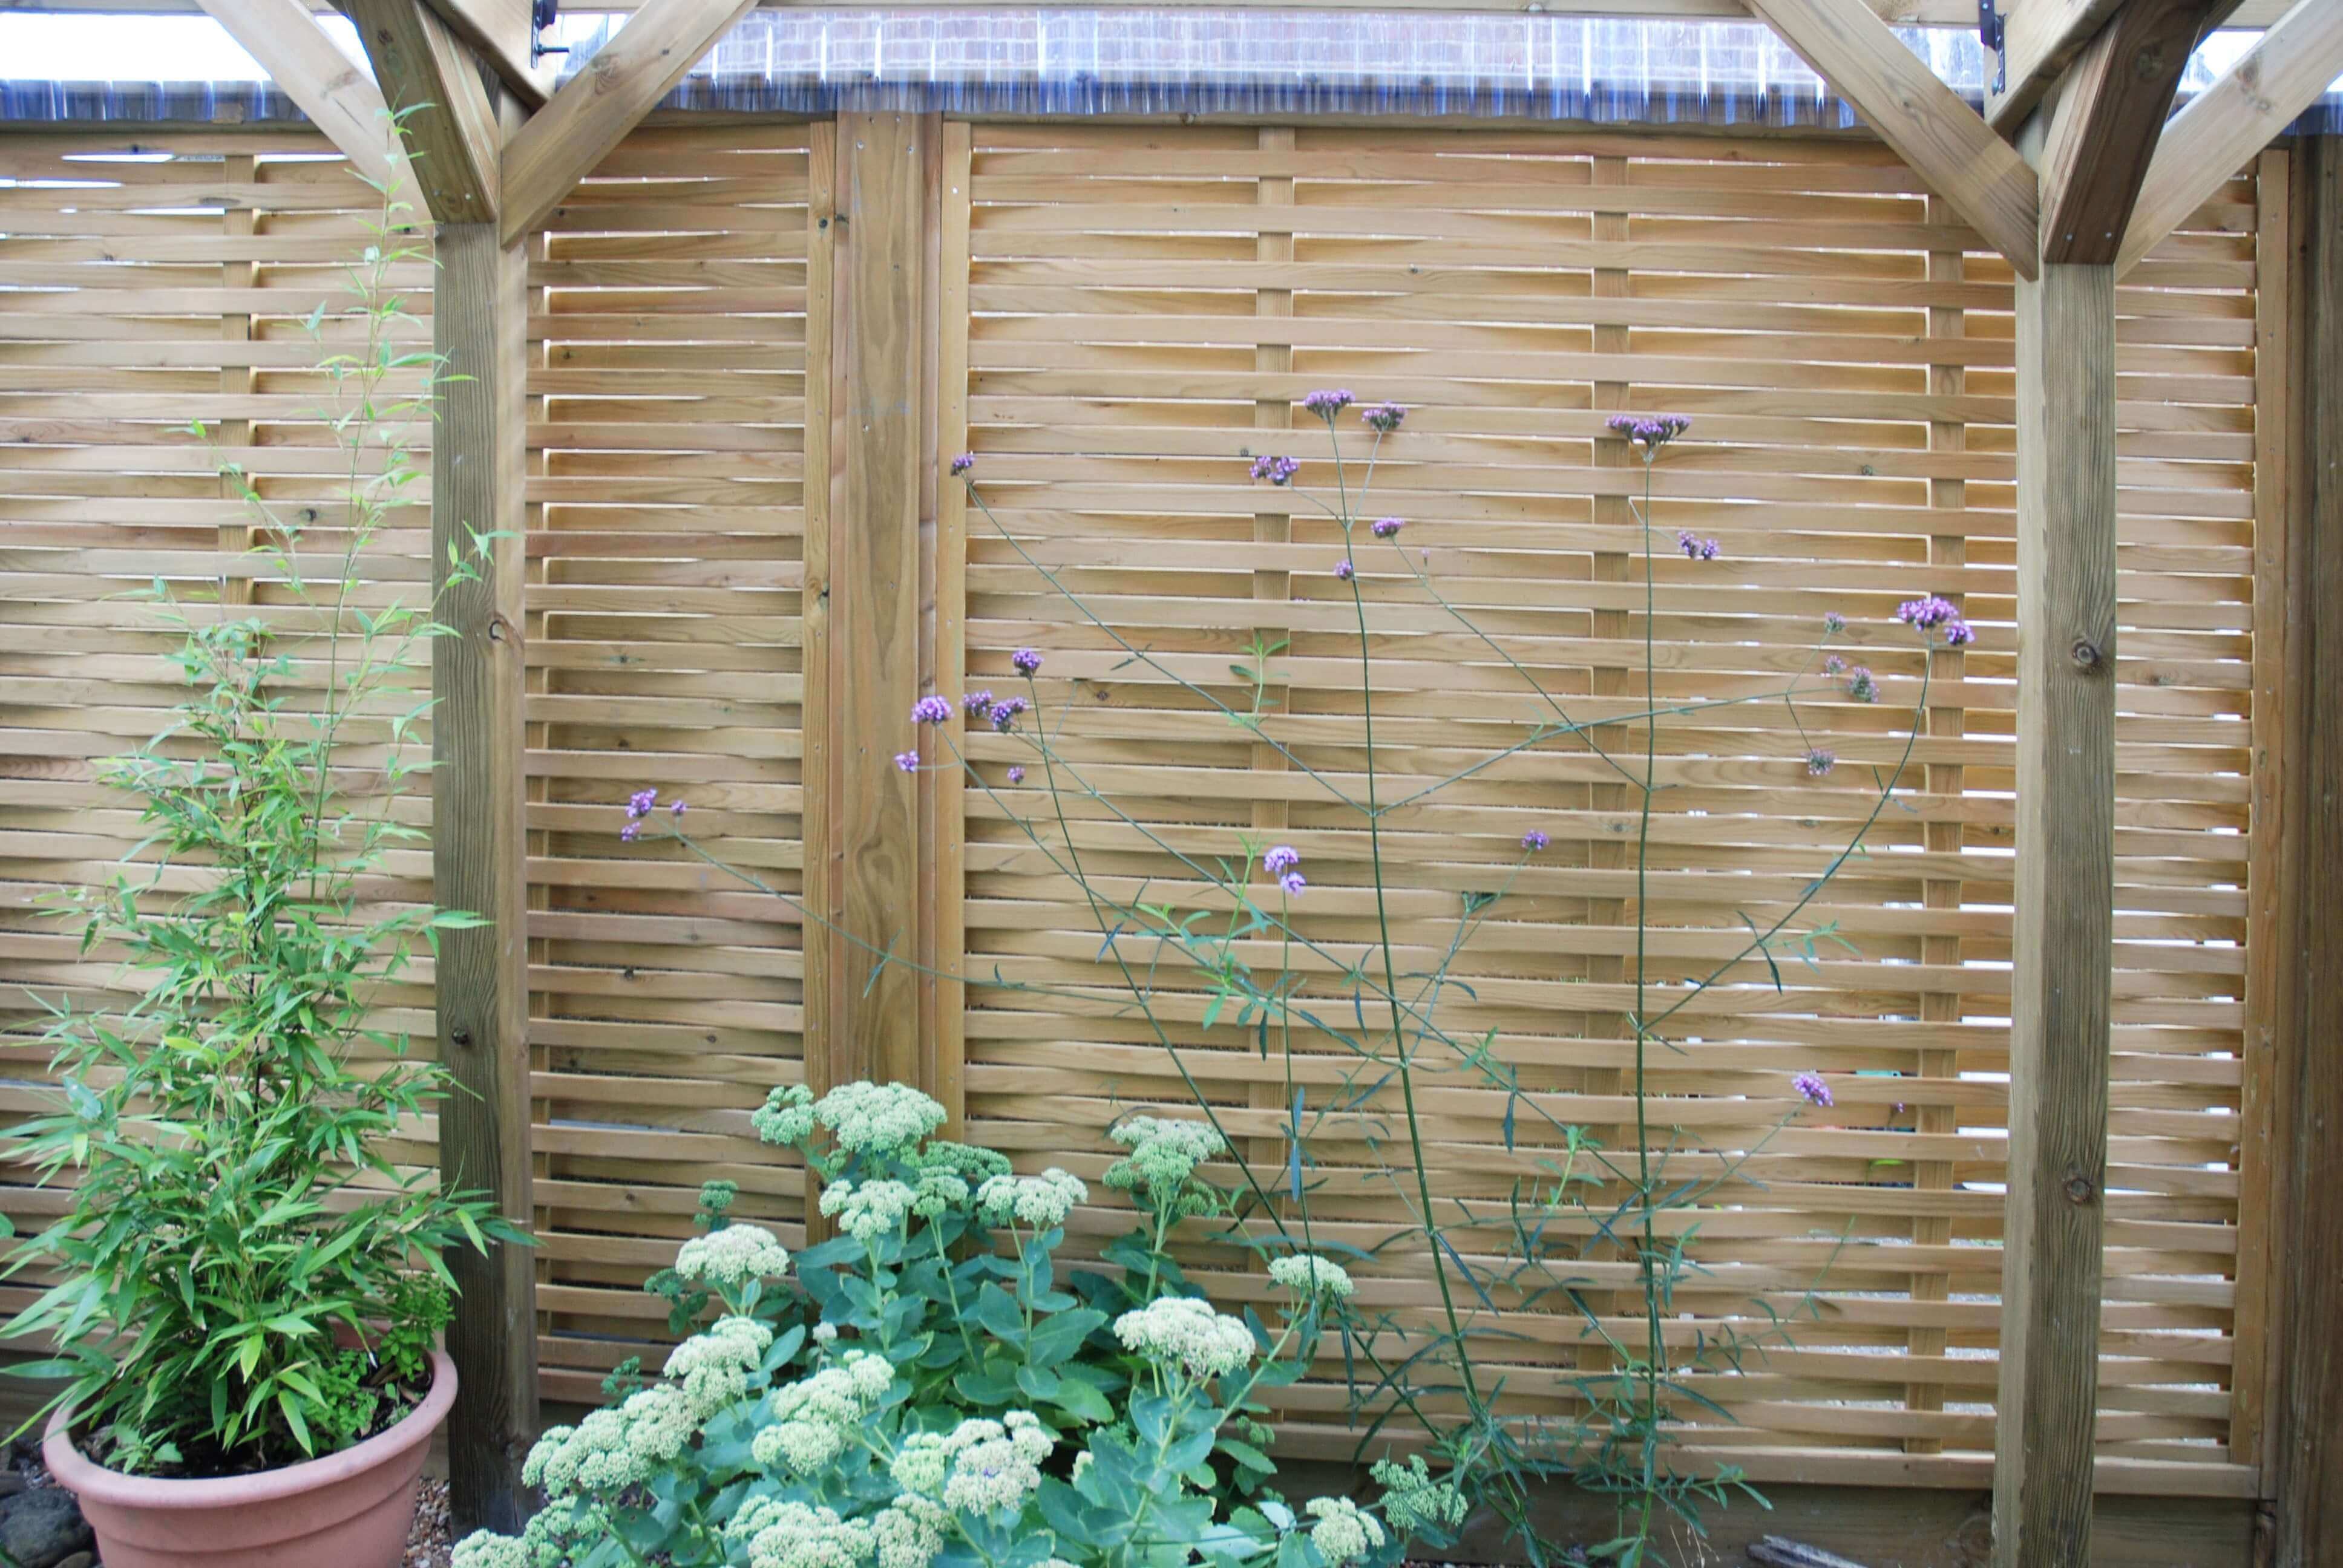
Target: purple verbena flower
(908, 761)
(1276, 470)
(1696, 547)
(1926, 613)
(930, 710)
(675, 811)
(977, 704)
(1833, 664)
(1533, 840)
(1279, 859)
(1005, 712)
(1958, 634)
(1292, 884)
(1832, 623)
(1026, 662)
(1812, 1089)
(1386, 527)
(641, 802)
(1820, 761)
(1860, 686)
(1649, 431)
(1017, 776)
(1327, 404)
(1382, 419)
(1345, 569)
(963, 463)
(628, 834)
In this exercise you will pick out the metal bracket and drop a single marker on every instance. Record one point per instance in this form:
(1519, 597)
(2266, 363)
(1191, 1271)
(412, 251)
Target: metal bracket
(544, 14)
(1990, 34)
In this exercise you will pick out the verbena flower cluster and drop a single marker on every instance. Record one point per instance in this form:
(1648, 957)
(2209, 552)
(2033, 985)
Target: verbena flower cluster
(1326, 404)
(1649, 431)
(1931, 613)
(1811, 1088)
(1275, 469)
(1696, 547)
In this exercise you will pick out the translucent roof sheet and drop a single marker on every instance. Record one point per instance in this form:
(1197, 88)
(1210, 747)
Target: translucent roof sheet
(1109, 60)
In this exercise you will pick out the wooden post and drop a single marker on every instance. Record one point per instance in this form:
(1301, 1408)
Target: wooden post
(2065, 917)
(863, 1024)
(479, 324)
(2307, 1453)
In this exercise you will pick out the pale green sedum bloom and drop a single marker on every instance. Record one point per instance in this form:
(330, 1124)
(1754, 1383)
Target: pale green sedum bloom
(485, 1549)
(785, 1535)
(877, 1117)
(867, 1211)
(1307, 1274)
(733, 1256)
(1183, 1330)
(1042, 1202)
(908, 1533)
(995, 1465)
(818, 1416)
(714, 1365)
(786, 1117)
(1343, 1533)
(1413, 1500)
(1163, 1152)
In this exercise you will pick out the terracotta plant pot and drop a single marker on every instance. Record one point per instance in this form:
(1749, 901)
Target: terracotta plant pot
(348, 1510)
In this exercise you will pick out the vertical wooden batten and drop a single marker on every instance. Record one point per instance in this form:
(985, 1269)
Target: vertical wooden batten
(2062, 985)
(879, 246)
(2307, 1455)
(480, 320)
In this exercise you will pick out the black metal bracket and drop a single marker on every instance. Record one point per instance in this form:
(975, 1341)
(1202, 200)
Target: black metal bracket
(1990, 34)
(544, 14)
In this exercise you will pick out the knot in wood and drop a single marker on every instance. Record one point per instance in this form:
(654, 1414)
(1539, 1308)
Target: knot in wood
(2081, 1189)
(459, 1035)
(2085, 653)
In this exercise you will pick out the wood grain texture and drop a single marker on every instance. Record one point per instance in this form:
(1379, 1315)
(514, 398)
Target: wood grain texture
(314, 73)
(2038, 38)
(2225, 125)
(2111, 108)
(2060, 994)
(1927, 123)
(875, 483)
(478, 836)
(501, 31)
(595, 109)
(2307, 1454)
(433, 83)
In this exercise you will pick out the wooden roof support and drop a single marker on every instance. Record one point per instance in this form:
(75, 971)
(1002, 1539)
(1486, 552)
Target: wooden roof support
(501, 31)
(2111, 108)
(314, 73)
(433, 80)
(1946, 142)
(595, 109)
(2226, 125)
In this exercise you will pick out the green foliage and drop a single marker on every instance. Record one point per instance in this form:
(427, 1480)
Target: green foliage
(930, 1396)
(246, 1274)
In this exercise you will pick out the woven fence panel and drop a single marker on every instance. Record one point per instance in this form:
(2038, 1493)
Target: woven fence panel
(144, 284)
(1146, 303)
(666, 546)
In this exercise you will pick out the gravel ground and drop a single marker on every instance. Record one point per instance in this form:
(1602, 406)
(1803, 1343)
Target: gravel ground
(428, 1546)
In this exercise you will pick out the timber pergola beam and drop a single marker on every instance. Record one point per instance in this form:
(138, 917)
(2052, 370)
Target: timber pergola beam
(2227, 124)
(450, 121)
(593, 112)
(313, 72)
(1927, 124)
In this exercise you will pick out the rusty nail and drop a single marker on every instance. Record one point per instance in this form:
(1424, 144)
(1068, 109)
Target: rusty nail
(2080, 1189)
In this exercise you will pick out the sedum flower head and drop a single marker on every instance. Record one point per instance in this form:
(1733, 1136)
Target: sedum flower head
(594, 1456)
(817, 1417)
(908, 1533)
(1344, 1532)
(714, 1365)
(877, 1117)
(786, 1117)
(1163, 1153)
(781, 1533)
(971, 1164)
(485, 1549)
(660, 1424)
(1413, 1500)
(995, 1466)
(1041, 1202)
(1183, 1330)
(1308, 1275)
(867, 1211)
(733, 1256)
(938, 1192)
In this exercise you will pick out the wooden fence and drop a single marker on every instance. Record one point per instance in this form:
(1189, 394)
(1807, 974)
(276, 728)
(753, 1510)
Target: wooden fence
(1113, 315)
